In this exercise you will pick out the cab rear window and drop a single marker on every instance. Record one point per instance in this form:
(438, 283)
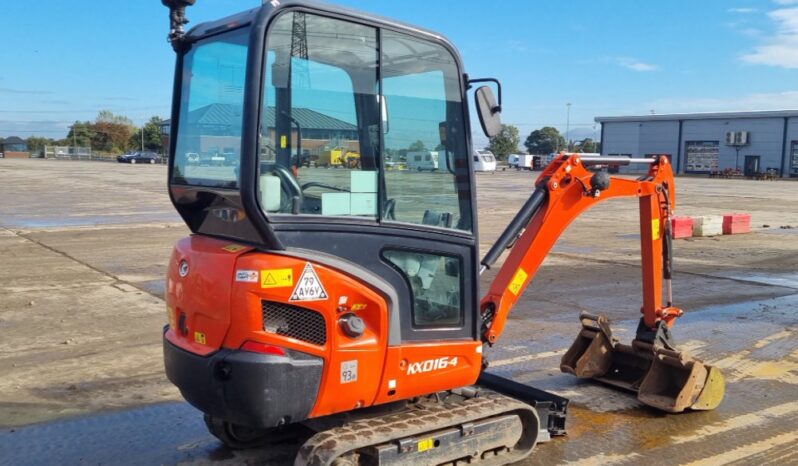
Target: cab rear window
(208, 147)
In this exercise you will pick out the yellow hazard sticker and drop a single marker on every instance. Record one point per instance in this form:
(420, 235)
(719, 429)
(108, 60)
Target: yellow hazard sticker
(655, 229)
(426, 444)
(518, 281)
(199, 337)
(283, 141)
(358, 307)
(170, 313)
(275, 278)
(233, 247)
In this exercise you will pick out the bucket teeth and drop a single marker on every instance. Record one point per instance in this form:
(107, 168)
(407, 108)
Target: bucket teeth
(665, 379)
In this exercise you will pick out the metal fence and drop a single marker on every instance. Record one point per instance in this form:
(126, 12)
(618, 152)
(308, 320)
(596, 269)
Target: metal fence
(68, 152)
(81, 153)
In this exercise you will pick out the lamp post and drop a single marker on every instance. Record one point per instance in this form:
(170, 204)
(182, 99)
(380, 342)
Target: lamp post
(568, 126)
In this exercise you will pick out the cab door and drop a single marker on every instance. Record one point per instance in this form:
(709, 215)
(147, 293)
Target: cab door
(337, 85)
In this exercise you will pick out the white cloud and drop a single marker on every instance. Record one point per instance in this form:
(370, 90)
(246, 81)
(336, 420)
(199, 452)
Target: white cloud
(780, 49)
(742, 10)
(634, 64)
(626, 62)
(751, 32)
(750, 102)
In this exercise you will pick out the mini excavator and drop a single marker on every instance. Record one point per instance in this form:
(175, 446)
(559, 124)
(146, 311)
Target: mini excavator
(345, 300)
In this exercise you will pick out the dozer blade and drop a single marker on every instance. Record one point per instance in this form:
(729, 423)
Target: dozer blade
(665, 379)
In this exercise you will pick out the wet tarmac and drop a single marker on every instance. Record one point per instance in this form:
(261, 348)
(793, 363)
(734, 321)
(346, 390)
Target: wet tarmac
(755, 345)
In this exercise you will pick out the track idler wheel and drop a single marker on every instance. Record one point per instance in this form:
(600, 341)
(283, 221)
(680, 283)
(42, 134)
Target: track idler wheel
(663, 378)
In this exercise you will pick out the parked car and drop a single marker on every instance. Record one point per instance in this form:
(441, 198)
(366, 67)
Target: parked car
(139, 157)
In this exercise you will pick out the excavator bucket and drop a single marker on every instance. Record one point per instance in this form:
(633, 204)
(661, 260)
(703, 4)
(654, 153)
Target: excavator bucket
(676, 382)
(668, 380)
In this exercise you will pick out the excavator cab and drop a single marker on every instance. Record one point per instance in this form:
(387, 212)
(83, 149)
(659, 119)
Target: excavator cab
(321, 159)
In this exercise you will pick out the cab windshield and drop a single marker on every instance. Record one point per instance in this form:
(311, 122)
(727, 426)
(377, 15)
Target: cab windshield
(363, 123)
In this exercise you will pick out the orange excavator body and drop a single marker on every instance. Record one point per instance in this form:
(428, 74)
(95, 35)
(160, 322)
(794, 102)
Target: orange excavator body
(200, 322)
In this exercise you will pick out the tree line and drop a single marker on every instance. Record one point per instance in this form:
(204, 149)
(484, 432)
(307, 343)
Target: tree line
(541, 141)
(109, 133)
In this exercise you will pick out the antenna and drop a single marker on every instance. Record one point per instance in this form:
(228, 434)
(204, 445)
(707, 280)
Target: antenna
(177, 19)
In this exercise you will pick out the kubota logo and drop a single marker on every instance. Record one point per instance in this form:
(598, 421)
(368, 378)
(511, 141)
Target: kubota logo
(431, 365)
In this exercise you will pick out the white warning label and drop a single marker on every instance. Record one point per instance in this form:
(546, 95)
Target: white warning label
(349, 371)
(309, 287)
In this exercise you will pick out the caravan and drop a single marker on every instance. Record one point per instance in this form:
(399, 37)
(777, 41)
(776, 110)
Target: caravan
(484, 161)
(426, 160)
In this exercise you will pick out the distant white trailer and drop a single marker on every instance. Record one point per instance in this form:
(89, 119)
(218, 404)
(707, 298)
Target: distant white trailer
(521, 161)
(484, 161)
(426, 160)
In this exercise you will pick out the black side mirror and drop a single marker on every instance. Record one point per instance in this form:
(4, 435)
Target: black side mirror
(489, 111)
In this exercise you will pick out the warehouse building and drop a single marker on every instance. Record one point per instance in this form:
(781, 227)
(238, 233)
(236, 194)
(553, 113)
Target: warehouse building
(14, 147)
(746, 143)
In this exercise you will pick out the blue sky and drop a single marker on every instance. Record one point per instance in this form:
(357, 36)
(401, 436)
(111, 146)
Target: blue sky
(66, 60)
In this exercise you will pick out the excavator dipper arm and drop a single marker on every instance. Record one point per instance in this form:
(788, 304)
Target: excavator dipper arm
(563, 191)
(651, 366)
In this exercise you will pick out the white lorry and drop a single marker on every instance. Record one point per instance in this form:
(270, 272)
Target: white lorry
(521, 161)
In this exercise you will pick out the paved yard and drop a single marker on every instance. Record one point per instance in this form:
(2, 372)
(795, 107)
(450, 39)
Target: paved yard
(82, 252)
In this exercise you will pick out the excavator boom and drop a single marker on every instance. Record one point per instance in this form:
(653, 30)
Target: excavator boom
(651, 366)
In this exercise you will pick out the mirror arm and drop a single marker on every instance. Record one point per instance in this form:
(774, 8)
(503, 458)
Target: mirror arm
(498, 108)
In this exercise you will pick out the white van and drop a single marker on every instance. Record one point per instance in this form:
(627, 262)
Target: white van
(520, 161)
(484, 161)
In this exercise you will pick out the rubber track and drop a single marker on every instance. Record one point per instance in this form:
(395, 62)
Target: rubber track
(324, 447)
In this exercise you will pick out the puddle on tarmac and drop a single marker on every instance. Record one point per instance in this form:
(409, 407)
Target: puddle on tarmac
(787, 280)
(82, 221)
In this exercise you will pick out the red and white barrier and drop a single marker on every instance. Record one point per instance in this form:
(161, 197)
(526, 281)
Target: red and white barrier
(734, 224)
(681, 227)
(710, 225)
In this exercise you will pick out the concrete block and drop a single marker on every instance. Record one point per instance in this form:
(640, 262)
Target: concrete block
(708, 225)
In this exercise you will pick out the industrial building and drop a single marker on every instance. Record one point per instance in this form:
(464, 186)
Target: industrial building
(14, 147)
(745, 143)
